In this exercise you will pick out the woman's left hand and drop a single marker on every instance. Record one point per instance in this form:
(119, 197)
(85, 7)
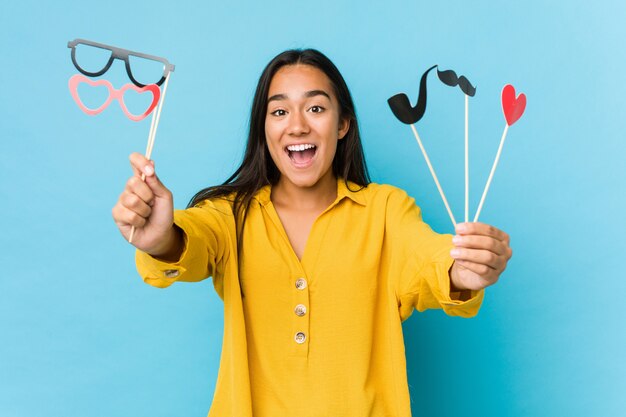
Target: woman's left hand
(481, 253)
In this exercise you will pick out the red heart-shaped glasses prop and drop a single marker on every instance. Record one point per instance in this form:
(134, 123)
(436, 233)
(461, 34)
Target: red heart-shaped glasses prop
(114, 94)
(512, 107)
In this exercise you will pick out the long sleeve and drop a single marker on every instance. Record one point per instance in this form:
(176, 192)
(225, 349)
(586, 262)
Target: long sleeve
(207, 239)
(423, 260)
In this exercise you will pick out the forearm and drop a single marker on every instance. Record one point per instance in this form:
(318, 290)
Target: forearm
(171, 247)
(464, 294)
(454, 279)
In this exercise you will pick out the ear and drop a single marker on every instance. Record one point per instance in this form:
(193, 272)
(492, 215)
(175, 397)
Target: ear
(344, 126)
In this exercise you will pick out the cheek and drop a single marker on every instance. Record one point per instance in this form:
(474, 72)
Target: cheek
(268, 132)
(335, 127)
(272, 132)
(272, 145)
(269, 137)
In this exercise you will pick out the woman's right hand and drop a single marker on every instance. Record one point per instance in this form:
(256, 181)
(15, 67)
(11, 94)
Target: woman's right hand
(149, 207)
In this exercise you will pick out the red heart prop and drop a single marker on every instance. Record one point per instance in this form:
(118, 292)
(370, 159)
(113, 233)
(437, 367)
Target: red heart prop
(512, 107)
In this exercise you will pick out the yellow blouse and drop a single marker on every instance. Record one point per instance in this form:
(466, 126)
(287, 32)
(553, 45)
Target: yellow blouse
(321, 336)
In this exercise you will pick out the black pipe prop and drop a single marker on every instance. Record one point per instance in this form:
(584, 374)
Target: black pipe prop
(401, 106)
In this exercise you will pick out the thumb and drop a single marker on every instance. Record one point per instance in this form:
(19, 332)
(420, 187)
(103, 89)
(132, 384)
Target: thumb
(155, 184)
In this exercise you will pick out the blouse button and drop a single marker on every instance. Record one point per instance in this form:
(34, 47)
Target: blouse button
(301, 283)
(300, 310)
(300, 337)
(171, 273)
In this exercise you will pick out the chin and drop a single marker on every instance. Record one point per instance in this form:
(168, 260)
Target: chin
(303, 181)
(306, 178)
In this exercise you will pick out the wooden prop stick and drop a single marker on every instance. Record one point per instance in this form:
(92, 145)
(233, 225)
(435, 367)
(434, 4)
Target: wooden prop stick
(154, 124)
(493, 169)
(149, 144)
(158, 118)
(432, 172)
(466, 158)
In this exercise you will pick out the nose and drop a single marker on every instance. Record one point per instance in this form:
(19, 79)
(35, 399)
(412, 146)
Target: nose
(298, 124)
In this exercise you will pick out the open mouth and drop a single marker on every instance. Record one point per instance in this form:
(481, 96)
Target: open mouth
(301, 154)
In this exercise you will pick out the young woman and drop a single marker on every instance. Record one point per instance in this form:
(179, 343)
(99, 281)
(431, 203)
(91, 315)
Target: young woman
(317, 267)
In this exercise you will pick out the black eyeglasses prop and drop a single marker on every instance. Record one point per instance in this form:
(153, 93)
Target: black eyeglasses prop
(123, 55)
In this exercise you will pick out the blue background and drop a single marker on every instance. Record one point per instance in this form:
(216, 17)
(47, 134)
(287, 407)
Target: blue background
(80, 334)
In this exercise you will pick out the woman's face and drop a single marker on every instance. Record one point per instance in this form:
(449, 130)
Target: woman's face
(302, 125)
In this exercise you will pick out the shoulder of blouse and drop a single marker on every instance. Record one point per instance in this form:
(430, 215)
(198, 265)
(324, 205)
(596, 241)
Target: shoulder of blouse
(375, 193)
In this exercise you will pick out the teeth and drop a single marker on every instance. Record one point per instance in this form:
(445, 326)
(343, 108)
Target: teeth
(301, 147)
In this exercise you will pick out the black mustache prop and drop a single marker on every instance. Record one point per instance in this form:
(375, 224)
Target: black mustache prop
(449, 77)
(401, 106)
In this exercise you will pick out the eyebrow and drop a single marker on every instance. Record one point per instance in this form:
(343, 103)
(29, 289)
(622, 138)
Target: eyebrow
(308, 94)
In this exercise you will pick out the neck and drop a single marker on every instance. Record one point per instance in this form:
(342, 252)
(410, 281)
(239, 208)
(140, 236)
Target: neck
(315, 198)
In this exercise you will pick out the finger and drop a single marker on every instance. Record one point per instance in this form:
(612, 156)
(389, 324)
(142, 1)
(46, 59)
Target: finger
(483, 229)
(487, 274)
(135, 186)
(479, 256)
(142, 166)
(481, 242)
(126, 217)
(156, 185)
(134, 203)
(138, 163)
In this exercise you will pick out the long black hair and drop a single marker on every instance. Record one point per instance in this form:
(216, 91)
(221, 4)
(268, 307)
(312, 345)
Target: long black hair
(258, 169)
